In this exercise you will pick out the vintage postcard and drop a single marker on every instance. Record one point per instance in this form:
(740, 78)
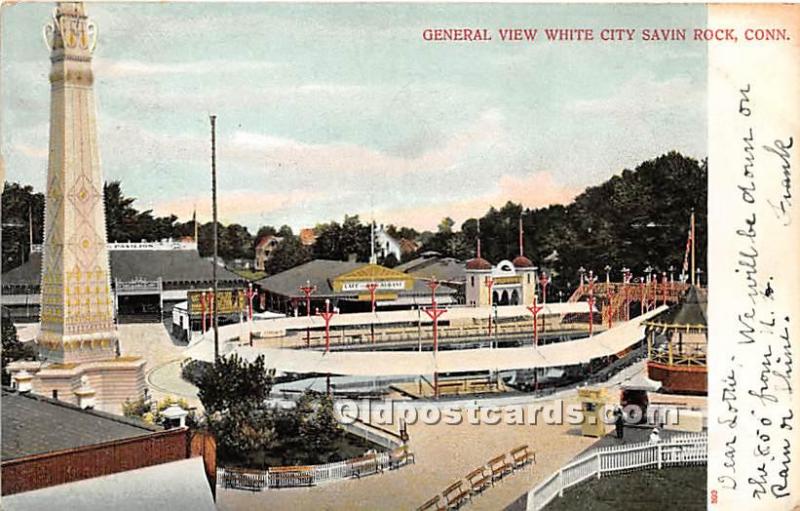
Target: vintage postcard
(399, 256)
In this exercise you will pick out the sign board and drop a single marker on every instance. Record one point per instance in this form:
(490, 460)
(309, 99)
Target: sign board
(229, 301)
(383, 285)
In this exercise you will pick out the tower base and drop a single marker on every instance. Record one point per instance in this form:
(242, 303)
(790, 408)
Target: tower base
(113, 381)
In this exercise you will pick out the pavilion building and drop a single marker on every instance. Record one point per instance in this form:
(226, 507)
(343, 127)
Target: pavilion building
(677, 344)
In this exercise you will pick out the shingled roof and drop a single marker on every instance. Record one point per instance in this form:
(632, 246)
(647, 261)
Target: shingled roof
(321, 273)
(34, 424)
(171, 266)
(689, 313)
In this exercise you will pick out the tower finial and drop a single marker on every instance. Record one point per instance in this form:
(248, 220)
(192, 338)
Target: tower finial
(521, 239)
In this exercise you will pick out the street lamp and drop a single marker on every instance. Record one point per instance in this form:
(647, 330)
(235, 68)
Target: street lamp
(327, 316)
(581, 271)
(307, 290)
(699, 272)
(489, 281)
(535, 309)
(608, 274)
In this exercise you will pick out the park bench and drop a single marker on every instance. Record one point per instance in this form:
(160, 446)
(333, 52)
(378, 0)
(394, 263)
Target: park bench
(480, 384)
(400, 456)
(451, 387)
(522, 455)
(499, 467)
(479, 479)
(433, 504)
(291, 476)
(456, 495)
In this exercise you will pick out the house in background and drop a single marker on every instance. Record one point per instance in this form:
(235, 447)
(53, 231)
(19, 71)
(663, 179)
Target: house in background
(264, 248)
(307, 236)
(385, 244)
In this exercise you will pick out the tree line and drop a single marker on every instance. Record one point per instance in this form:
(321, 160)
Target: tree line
(635, 219)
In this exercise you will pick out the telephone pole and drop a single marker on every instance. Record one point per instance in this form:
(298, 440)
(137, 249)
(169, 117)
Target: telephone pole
(214, 214)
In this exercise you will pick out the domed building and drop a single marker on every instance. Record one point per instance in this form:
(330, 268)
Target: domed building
(507, 283)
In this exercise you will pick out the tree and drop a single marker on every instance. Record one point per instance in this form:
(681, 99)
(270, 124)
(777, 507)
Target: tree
(234, 394)
(13, 349)
(289, 253)
(309, 432)
(390, 261)
(23, 215)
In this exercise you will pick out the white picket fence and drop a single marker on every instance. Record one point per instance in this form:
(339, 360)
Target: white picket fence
(310, 475)
(687, 449)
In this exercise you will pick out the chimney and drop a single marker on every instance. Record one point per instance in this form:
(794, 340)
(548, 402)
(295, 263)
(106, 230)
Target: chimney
(24, 381)
(85, 394)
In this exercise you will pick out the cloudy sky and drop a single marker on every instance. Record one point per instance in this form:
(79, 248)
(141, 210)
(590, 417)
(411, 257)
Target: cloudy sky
(331, 109)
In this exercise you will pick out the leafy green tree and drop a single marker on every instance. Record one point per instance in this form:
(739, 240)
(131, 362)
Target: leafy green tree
(309, 432)
(13, 349)
(234, 394)
(289, 253)
(22, 213)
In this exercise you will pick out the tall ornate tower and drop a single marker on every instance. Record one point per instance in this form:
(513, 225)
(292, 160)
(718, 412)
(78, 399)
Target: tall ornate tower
(78, 342)
(77, 322)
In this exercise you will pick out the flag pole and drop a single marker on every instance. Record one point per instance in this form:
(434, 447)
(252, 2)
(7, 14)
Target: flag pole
(213, 119)
(694, 276)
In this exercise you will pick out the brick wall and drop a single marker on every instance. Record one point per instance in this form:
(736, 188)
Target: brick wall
(50, 469)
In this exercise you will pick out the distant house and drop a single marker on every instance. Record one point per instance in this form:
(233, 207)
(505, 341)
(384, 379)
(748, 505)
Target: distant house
(408, 246)
(264, 248)
(308, 237)
(385, 244)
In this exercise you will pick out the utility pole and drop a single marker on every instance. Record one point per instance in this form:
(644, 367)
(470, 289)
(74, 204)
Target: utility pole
(214, 212)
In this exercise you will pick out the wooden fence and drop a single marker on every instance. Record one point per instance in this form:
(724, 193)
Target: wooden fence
(688, 449)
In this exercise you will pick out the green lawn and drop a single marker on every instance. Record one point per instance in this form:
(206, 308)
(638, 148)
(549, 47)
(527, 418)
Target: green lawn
(670, 489)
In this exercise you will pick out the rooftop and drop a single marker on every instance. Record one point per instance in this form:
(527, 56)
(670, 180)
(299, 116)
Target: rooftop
(321, 273)
(34, 424)
(127, 265)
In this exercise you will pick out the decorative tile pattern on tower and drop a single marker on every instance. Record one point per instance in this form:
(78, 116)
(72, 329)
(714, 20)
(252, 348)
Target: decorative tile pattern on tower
(77, 318)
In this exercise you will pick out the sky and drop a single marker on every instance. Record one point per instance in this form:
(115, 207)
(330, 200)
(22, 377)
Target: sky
(325, 110)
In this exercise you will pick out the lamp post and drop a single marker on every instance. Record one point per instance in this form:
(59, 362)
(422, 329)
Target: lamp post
(543, 281)
(535, 309)
(626, 280)
(699, 272)
(203, 312)
(489, 281)
(307, 290)
(372, 286)
(211, 299)
(581, 272)
(610, 297)
(250, 295)
(327, 315)
(663, 288)
(434, 312)
(608, 274)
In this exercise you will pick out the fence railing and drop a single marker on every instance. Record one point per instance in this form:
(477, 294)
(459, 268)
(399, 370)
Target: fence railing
(309, 475)
(686, 449)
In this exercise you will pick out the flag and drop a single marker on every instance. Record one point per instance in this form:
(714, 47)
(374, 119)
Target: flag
(686, 255)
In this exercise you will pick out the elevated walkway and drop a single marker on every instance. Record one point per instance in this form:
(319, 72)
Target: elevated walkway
(402, 363)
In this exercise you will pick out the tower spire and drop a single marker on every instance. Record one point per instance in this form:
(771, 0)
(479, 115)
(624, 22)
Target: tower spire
(521, 237)
(77, 311)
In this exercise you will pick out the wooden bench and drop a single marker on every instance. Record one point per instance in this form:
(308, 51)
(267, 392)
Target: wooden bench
(479, 479)
(481, 384)
(454, 387)
(434, 504)
(499, 467)
(522, 455)
(400, 456)
(455, 495)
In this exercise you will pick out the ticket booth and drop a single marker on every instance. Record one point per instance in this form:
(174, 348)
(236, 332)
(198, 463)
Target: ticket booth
(593, 403)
